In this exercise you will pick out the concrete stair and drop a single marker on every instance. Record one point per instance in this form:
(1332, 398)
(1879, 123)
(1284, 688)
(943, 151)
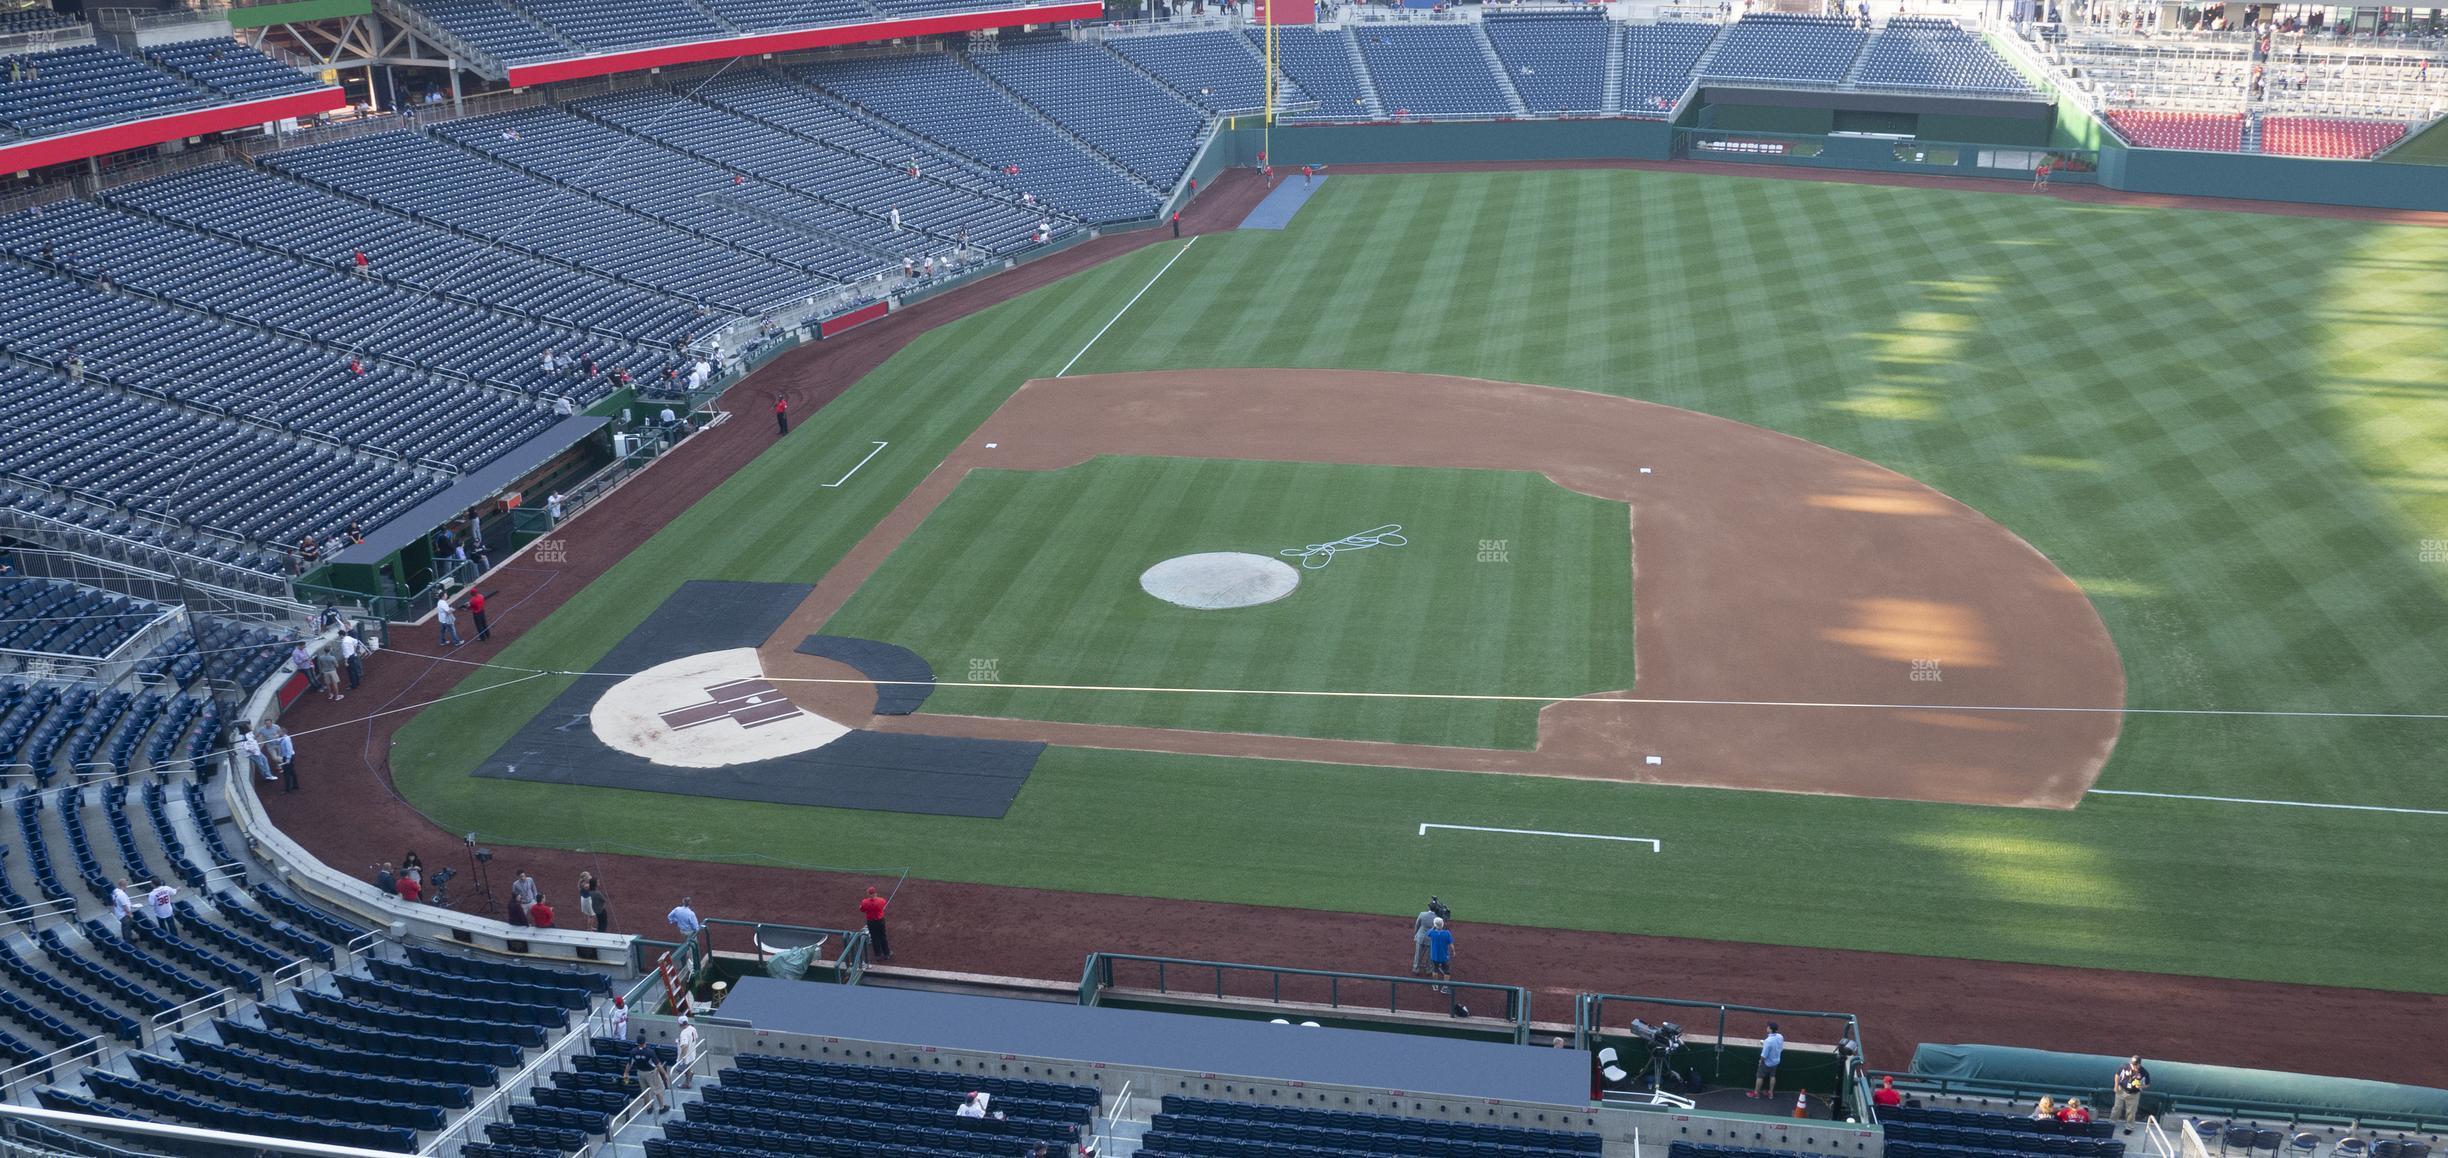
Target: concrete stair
(1368, 82)
(1504, 75)
(1613, 100)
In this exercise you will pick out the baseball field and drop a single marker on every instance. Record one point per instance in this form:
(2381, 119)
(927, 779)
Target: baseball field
(2224, 435)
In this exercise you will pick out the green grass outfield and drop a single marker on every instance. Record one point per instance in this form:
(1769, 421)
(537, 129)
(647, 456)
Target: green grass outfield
(2230, 428)
(1037, 572)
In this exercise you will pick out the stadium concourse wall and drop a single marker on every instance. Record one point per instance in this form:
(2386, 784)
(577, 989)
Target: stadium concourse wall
(2360, 184)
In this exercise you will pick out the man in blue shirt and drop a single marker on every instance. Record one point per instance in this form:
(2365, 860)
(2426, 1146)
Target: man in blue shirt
(683, 918)
(1440, 953)
(1772, 1054)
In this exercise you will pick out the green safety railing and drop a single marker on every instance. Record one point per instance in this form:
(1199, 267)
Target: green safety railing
(2239, 1111)
(1370, 993)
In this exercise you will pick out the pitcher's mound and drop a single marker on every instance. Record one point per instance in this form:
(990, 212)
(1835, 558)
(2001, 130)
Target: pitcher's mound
(1215, 580)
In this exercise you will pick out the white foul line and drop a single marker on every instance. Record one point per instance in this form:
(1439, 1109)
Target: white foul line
(1109, 324)
(1654, 846)
(2278, 803)
(879, 449)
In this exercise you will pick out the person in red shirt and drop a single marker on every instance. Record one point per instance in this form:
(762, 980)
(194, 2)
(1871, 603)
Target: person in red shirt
(476, 602)
(2074, 1112)
(781, 415)
(873, 908)
(540, 914)
(410, 890)
(1886, 1095)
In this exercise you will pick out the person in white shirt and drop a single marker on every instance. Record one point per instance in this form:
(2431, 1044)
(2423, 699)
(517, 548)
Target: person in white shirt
(553, 504)
(351, 652)
(620, 1018)
(687, 1044)
(164, 917)
(252, 749)
(121, 907)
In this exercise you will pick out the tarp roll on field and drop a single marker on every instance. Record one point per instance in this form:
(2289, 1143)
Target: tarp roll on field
(2087, 1074)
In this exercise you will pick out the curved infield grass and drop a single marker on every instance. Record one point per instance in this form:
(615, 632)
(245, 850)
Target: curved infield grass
(1509, 585)
(2228, 428)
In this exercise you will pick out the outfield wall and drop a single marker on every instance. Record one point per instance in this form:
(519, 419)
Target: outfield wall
(2363, 184)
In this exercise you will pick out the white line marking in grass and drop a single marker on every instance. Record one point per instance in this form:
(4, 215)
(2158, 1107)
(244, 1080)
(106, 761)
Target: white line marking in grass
(879, 449)
(1654, 846)
(1109, 324)
(2277, 803)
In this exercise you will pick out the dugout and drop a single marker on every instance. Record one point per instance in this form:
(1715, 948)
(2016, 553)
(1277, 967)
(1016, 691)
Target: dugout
(2181, 1087)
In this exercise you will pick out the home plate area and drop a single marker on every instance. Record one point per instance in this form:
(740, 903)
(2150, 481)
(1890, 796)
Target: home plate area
(684, 706)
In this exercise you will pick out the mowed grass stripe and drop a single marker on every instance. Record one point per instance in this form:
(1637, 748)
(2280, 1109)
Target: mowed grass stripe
(2152, 398)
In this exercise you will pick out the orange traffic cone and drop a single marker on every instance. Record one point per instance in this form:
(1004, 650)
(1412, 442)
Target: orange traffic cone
(1802, 1105)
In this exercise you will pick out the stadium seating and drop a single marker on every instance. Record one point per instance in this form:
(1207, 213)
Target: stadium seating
(1658, 63)
(496, 28)
(1997, 1122)
(770, 15)
(1103, 101)
(936, 95)
(1557, 60)
(2328, 136)
(266, 212)
(1432, 70)
(460, 189)
(2159, 129)
(683, 192)
(230, 68)
(78, 88)
(67, 619)
(601, 27)
(1189, 1127)
(1777, 47)
(1936, 54)
(24, 21)
(1214, 69)
(1325, 64)
(346, 315)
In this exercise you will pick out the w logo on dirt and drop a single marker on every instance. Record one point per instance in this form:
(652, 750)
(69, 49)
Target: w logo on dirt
(749, 703)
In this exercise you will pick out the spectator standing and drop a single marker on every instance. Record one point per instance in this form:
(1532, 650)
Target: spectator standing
(1419, 940)
(684, 918)
(121, 906)
(620, 1017)
(522, 896)
(896, 219)
(283, 752)
(252, 749)
(327, 669)
(687, 1046)
(411, 887)
(1440, 953)
(593, 902)
(448, 621)
(2129, 1083)
(165, 918)
(476, 615)
(872, 908)
(553, 505)
(385, 881)
(646, 1068)
(302, 662)
(1772, 1055)
(1177, 223)
(781, 415)
(410, 860)
(540, 914)
(352, 657)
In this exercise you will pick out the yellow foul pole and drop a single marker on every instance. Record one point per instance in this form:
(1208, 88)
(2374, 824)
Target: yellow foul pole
(1266, 131)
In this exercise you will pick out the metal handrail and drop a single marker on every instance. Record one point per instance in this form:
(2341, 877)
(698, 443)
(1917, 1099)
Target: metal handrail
(1100, 977)
(175, 1018)
(498, 1101)
(46, 1063)
(34, 913)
